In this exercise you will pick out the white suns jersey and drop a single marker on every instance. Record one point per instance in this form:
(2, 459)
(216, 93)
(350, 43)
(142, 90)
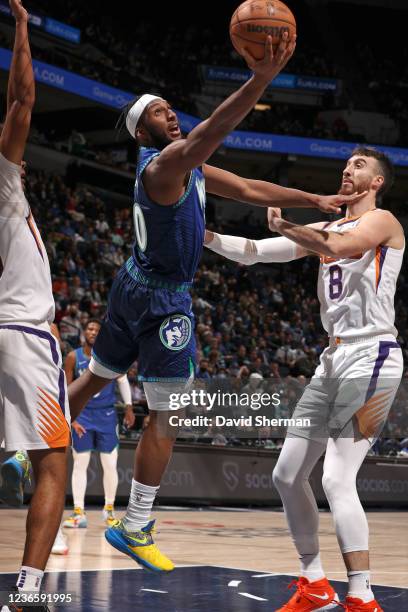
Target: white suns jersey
(356, 294)
(25, 278)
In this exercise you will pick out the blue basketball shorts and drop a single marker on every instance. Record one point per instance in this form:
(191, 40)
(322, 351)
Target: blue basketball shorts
(102, 430)
(154, 326)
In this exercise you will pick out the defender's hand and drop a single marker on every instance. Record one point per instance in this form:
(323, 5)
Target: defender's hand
(273, 215)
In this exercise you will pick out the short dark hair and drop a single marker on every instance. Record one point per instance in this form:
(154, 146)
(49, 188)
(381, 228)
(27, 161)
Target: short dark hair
(386, 166)
(97, 321)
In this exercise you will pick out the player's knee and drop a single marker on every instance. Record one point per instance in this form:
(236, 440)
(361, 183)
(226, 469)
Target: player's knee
(334, 484)
(50, 464)
(159, 427)
(283, 478)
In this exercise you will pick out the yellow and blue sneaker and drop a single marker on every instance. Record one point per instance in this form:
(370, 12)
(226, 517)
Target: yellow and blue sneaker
(77, 520)
(15, 472)
(108, 515)
(139, 546)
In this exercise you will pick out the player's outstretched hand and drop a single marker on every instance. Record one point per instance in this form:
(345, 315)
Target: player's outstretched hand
(272, 62)
(18, 10)
(273, 214)
(331, 204)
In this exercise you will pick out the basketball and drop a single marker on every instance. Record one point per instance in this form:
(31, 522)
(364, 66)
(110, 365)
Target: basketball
(254, 20)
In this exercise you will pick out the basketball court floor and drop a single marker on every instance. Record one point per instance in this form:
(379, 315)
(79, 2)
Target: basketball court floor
(238, 561)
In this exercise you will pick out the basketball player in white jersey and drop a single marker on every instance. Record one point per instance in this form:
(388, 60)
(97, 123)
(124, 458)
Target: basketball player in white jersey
(34, 411)
(355, 383)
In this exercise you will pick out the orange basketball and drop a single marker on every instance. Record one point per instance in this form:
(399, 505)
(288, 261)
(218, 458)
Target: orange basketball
(254, 20)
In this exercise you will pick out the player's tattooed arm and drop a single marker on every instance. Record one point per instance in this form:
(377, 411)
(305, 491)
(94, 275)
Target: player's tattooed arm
(21, 90)
(374, 229)
(262, 193)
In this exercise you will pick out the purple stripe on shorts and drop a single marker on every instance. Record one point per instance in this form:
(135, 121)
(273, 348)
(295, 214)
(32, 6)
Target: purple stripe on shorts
(41, 334)
(54, 352)
(61, 386)
(383, 352)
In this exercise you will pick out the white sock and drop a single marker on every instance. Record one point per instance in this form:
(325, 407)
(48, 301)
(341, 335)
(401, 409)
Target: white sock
(110, 475)
(79, 472)
(360, 585)
(29, 579)
(311, 567)
(140, 506)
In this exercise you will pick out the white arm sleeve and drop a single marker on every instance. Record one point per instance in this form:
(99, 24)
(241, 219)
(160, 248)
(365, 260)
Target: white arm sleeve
(249, 252)
(124, 388)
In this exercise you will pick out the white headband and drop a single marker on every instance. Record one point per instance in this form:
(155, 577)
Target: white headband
(137, 109)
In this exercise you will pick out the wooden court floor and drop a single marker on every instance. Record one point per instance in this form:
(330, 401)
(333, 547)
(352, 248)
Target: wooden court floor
(254, 540)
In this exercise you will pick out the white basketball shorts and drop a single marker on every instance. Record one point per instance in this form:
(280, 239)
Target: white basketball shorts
(34, 412)
(352, 390)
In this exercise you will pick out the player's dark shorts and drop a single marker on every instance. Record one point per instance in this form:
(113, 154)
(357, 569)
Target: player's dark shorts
(150, 324)
(102, 430)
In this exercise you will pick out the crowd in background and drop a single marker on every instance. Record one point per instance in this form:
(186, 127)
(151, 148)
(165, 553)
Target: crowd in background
(118, 53)
(255, 325)
(258, 328)
(130, 62)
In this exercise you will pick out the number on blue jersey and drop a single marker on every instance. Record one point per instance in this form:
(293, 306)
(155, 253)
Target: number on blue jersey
(140, 227)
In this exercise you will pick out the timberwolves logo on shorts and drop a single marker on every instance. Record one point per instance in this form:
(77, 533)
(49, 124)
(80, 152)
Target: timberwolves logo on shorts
(175, 332)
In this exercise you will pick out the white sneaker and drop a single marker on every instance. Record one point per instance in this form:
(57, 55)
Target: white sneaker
(60, 546)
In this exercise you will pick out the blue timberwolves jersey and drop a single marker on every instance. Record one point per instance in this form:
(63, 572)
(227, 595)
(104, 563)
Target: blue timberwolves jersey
(103, 399)
(169, 239)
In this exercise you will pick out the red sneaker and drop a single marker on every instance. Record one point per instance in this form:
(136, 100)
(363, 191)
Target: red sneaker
(354, 604)
(318, 595)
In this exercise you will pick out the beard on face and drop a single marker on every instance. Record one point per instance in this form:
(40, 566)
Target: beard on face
(158, 139)
(362, 185)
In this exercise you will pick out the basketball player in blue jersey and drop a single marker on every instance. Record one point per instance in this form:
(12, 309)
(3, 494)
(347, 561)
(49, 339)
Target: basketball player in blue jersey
(149, 314)
(95, 429)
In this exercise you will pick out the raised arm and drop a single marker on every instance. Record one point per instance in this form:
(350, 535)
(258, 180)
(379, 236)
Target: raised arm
(21, 91)
(261, 193)
(167, 172)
